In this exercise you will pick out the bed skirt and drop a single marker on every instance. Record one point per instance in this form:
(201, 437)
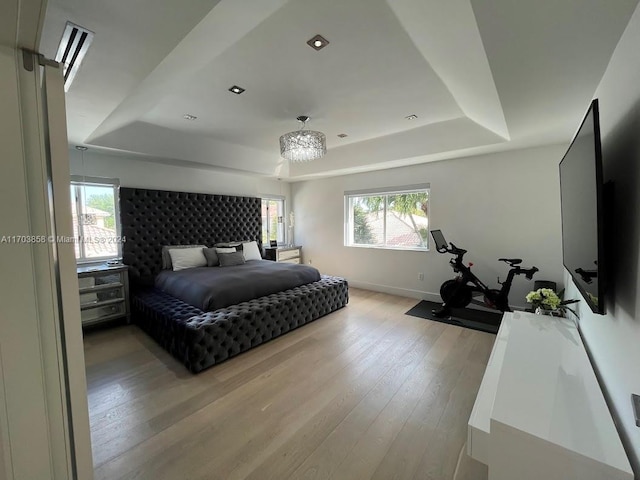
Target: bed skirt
(202, 339)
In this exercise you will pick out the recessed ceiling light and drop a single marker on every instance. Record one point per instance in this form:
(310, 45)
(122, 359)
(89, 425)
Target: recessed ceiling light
(318, 42)
(188, 116)
(236, 89)
(411, 117)
(342, 135)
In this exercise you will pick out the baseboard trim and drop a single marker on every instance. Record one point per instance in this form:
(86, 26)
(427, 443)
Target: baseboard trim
(401, 292)
(410, 293)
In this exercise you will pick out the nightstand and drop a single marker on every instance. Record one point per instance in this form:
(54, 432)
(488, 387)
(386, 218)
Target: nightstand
(104, 293)
(284, 254)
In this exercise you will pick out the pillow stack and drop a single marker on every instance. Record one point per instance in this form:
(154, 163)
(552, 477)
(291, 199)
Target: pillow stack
(180, 257)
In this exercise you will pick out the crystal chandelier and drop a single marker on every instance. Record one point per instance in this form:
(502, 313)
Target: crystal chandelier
(303, 145)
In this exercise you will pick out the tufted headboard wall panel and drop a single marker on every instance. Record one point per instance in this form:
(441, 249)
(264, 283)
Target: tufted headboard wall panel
(153, 218)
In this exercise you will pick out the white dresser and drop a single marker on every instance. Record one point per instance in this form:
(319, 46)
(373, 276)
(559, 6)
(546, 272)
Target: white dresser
(540, 413)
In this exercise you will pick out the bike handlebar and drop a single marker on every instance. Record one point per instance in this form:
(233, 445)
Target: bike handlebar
(455, 250)
(529, 273)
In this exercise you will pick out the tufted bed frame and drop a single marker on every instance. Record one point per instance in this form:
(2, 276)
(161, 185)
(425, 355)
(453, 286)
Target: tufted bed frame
(153, 218)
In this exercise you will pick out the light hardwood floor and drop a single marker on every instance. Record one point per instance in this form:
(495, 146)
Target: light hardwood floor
(364, 393)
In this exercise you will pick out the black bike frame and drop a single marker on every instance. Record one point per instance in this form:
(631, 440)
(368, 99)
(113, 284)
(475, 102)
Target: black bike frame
(499, 299)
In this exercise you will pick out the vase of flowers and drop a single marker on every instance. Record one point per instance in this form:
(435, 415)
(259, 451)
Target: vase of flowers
(545, 301)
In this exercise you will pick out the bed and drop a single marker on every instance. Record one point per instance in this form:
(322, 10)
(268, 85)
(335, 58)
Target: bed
(212, 288)
(200, 328)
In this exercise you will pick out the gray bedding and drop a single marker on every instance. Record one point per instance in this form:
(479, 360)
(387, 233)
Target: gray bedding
(211, 288)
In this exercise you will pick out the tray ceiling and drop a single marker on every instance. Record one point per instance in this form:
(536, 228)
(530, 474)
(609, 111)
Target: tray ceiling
(481, 75)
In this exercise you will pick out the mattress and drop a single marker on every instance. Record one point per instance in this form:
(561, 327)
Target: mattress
(212, 288)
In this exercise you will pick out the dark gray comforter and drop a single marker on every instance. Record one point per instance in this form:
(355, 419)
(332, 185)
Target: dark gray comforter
(211, 288)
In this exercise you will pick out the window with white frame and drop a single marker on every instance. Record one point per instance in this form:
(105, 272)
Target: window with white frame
(272, 220)
(96, 218)
(394, 218)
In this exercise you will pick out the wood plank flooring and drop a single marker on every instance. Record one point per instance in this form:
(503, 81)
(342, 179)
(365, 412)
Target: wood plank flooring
(364, 393)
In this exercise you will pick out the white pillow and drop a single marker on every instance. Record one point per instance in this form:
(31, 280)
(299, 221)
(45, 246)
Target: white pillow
(251, 251)
(182, 258)
(225, 249)
(166, 258)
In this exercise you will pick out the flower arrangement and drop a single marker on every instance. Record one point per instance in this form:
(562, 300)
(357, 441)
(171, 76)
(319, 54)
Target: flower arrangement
(546, 301)
(544, 298)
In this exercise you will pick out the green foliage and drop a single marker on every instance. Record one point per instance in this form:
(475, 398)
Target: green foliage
(424, 234)
(105, 203)
(362, 233)
(406, 205)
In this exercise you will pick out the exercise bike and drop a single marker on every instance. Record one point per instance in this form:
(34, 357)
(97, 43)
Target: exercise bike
(459, 292)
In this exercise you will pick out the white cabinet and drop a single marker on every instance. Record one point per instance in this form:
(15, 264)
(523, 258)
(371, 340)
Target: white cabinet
(540, 413)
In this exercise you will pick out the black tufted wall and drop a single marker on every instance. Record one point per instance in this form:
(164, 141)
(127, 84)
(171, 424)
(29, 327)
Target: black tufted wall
(153, 218)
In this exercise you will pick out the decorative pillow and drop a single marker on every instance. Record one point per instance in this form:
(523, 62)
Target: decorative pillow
(228, 244)
(231, 259)
(251, 251)
(226, 250)
(211, 256)
(182, 258)
(166, 258)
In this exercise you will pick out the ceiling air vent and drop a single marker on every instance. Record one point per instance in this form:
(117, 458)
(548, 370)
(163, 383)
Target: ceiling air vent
(72, 49)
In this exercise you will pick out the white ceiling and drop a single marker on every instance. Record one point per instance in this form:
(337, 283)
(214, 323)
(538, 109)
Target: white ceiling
(481, 75)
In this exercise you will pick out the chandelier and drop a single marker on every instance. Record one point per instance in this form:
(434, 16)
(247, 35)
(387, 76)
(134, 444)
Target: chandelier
(303, 145)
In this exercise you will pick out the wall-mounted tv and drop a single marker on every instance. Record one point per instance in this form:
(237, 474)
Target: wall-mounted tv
(581, 192)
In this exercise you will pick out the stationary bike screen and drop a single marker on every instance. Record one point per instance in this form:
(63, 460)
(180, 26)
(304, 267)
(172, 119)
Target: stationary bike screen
(441, 243)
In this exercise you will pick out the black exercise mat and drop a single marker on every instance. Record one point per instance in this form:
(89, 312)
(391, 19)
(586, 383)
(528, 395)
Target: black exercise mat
(463, 317)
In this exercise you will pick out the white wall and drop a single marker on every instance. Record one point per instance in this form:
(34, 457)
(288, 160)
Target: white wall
(136, 172)
(496, 205)
(614, 339)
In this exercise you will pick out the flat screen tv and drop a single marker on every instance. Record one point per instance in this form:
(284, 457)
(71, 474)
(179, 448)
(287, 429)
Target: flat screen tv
(581, 193)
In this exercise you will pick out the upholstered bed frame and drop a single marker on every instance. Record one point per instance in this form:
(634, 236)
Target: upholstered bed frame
(153, 218)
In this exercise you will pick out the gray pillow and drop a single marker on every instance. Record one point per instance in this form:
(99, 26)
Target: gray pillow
(166, 258)
(211, 256)
(231, 259)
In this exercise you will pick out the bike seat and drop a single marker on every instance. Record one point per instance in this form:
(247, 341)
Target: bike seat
(511, 261)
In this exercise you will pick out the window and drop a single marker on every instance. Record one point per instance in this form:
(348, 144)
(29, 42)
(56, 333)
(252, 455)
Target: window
(272, 220)
(395, 218)
(96, 218)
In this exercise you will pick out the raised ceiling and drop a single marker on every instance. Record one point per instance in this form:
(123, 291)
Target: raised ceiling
(481, 75)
